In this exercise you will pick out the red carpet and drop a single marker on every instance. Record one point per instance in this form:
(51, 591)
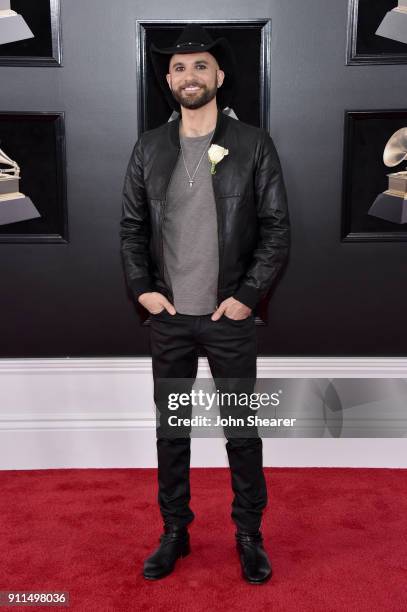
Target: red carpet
(337, 540)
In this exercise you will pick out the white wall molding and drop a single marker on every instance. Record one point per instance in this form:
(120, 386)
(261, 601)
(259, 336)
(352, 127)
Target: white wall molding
(67, 412)
(330, 367)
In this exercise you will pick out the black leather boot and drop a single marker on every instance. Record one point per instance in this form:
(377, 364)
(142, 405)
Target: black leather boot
(174, 543)
(254, 561)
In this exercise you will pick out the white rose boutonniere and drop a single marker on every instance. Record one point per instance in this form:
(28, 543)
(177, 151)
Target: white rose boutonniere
(216, 153)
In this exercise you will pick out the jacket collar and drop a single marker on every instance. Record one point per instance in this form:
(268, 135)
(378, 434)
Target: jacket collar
(217, 136)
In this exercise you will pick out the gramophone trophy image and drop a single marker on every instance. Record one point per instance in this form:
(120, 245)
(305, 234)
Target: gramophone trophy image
(14, 206)
(12, 26)
(391, 205)
(394, 24)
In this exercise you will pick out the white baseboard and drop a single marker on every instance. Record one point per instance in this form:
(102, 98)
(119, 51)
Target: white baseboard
(99, 413)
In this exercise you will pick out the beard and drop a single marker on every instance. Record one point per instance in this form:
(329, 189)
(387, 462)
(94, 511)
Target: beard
(196, 100)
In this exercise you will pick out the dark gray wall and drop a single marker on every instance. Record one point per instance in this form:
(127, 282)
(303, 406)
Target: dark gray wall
(334, 299)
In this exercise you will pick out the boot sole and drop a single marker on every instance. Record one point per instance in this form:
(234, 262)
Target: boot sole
(248, 579)
(256, 581)
(184, 553)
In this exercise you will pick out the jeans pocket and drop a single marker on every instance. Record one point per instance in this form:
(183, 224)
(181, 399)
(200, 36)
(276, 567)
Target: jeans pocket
(238, 321)
(157, 314)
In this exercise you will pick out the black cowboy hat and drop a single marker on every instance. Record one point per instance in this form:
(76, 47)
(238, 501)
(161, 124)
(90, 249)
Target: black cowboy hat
(195, 38)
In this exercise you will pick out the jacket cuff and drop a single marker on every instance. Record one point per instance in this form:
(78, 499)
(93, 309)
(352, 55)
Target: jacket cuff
(249, 296)
(140, 285)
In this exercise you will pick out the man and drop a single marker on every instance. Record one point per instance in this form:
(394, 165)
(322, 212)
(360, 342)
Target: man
(202, 242)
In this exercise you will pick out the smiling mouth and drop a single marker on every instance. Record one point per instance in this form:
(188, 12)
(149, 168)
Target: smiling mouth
(192, 89)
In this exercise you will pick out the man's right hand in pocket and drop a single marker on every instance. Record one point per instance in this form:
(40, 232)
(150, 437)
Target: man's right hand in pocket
(156, 302)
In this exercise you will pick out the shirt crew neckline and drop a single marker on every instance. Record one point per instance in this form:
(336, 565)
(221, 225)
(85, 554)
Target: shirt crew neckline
(196, 138)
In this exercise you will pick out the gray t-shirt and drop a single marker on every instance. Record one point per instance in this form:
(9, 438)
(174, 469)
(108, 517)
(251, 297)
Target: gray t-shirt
(190, 232)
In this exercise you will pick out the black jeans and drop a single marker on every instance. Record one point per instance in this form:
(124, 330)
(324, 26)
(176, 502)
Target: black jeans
(231, 350)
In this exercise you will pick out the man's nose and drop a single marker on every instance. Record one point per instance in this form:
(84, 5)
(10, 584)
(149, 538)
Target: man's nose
(189, 74)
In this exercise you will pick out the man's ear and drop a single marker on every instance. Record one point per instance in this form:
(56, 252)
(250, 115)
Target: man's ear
(168, 77)
(220, 77)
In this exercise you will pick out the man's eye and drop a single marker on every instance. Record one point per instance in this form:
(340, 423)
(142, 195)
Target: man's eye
(178, 68)
(201, 66)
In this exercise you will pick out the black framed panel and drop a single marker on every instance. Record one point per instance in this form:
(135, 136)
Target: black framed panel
(36, 142)
(44, 48)
(364, 46)
(251, 43)
(365, 175)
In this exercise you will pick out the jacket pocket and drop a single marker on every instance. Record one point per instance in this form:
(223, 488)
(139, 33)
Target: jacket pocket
(230, 195)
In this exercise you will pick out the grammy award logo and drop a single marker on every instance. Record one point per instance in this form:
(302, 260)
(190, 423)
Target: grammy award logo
(392, 203)
(12, 26)
(14, 205)
(394, 24)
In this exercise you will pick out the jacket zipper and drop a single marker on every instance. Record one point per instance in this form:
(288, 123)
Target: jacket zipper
(162, 228)
(220, 243)
(220, 232)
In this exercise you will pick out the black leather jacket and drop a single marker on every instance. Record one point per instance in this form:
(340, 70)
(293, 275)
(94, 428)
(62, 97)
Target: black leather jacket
(251, 203)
